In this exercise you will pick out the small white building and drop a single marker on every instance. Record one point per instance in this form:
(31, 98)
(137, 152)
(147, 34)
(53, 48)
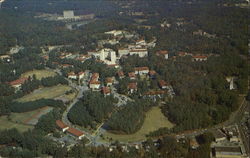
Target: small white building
(72, 75)
(114, 32)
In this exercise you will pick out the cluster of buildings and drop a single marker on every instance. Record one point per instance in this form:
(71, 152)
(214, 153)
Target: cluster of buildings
(228, 143)
(72, 131)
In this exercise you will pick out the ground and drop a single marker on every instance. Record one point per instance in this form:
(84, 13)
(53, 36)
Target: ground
(39, 73)
(153, 121)
(8, 124)
(47, 93)
(23, 121)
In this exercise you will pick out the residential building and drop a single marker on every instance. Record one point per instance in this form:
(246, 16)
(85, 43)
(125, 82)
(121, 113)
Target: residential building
(141, 70)
(199, 58)
(163, 84)
(152, 74)
(18, 83)
(123, 52)
(141, 42)
(62, 125)
(109, 81)
(76, 133)
(81, 75)
(163, 53)
(120, 74)
(140, 52)
(131, 75)
(132, 87)
(106, 91)
(72, 75)
(219, 136)
(94, 84)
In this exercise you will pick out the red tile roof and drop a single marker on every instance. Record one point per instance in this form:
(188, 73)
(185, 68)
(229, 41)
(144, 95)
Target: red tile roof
(162, 83)
(155, 92)
(71, 74)
(60, 124)
(106, 90)
(120, 73)
(109, 80)
(18, 81)
(131, 74)
(141, 68)
(152, 72)
(200, 56)
(162, 52)
(75, 132)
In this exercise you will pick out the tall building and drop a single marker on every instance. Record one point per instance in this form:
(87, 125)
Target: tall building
(112, 57)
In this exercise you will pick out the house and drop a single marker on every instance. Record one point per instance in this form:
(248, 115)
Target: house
(199, 58)
(80, 75)
(72, 75)
(94, 84)
(18, 83)
(66, 65)
(141, 70)
(140, 52)
(163, 53)
(106, 91)
(182, 54)
(141, 42)
(123, 52)
(131, 75)
(120, 74)
(132, 87)
(152, 74)
(62, 125)
(193, 143)
(163, 84)
(76, 133)
(109, 81)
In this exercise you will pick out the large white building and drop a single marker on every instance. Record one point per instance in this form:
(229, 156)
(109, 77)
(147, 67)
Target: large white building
(140, 52)
(68, 14)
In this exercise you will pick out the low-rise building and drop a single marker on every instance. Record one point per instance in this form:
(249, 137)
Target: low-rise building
(219, 136)
(123, 52)
(106, 91)
(163, 53)
(140, 52)
(163, 84)
(132, 87)
(227, 152)
(62, 126)
(109, 81)
(76, 133)
(141, 70)
(72, 75)
(152, 74)
(81, 75)
(131, 75)
(18, 83)
(199, 58)
(120, 74)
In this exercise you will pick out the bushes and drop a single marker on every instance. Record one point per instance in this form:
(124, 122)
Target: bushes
(33, 105)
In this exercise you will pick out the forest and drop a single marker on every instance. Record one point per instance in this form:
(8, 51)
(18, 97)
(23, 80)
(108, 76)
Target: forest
(91, 109)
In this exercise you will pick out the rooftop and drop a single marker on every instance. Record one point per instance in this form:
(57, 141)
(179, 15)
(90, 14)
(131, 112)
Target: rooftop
(60, 124)
(75, 132)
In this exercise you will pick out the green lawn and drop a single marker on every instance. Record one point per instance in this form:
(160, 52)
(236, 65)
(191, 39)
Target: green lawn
(46, 93)
(39, 73)
(5, 123)
(153, 121)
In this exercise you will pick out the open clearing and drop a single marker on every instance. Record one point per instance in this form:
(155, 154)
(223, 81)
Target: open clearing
(8, 124)
(46, 93)
(39, 74)
(153, 121)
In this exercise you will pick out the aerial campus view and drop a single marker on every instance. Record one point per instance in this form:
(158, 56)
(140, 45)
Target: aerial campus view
(124, 79)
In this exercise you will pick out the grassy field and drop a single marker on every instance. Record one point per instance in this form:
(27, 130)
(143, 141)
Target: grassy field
(39, 73)
(153, 121)
(47, 93)
(5, 123)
